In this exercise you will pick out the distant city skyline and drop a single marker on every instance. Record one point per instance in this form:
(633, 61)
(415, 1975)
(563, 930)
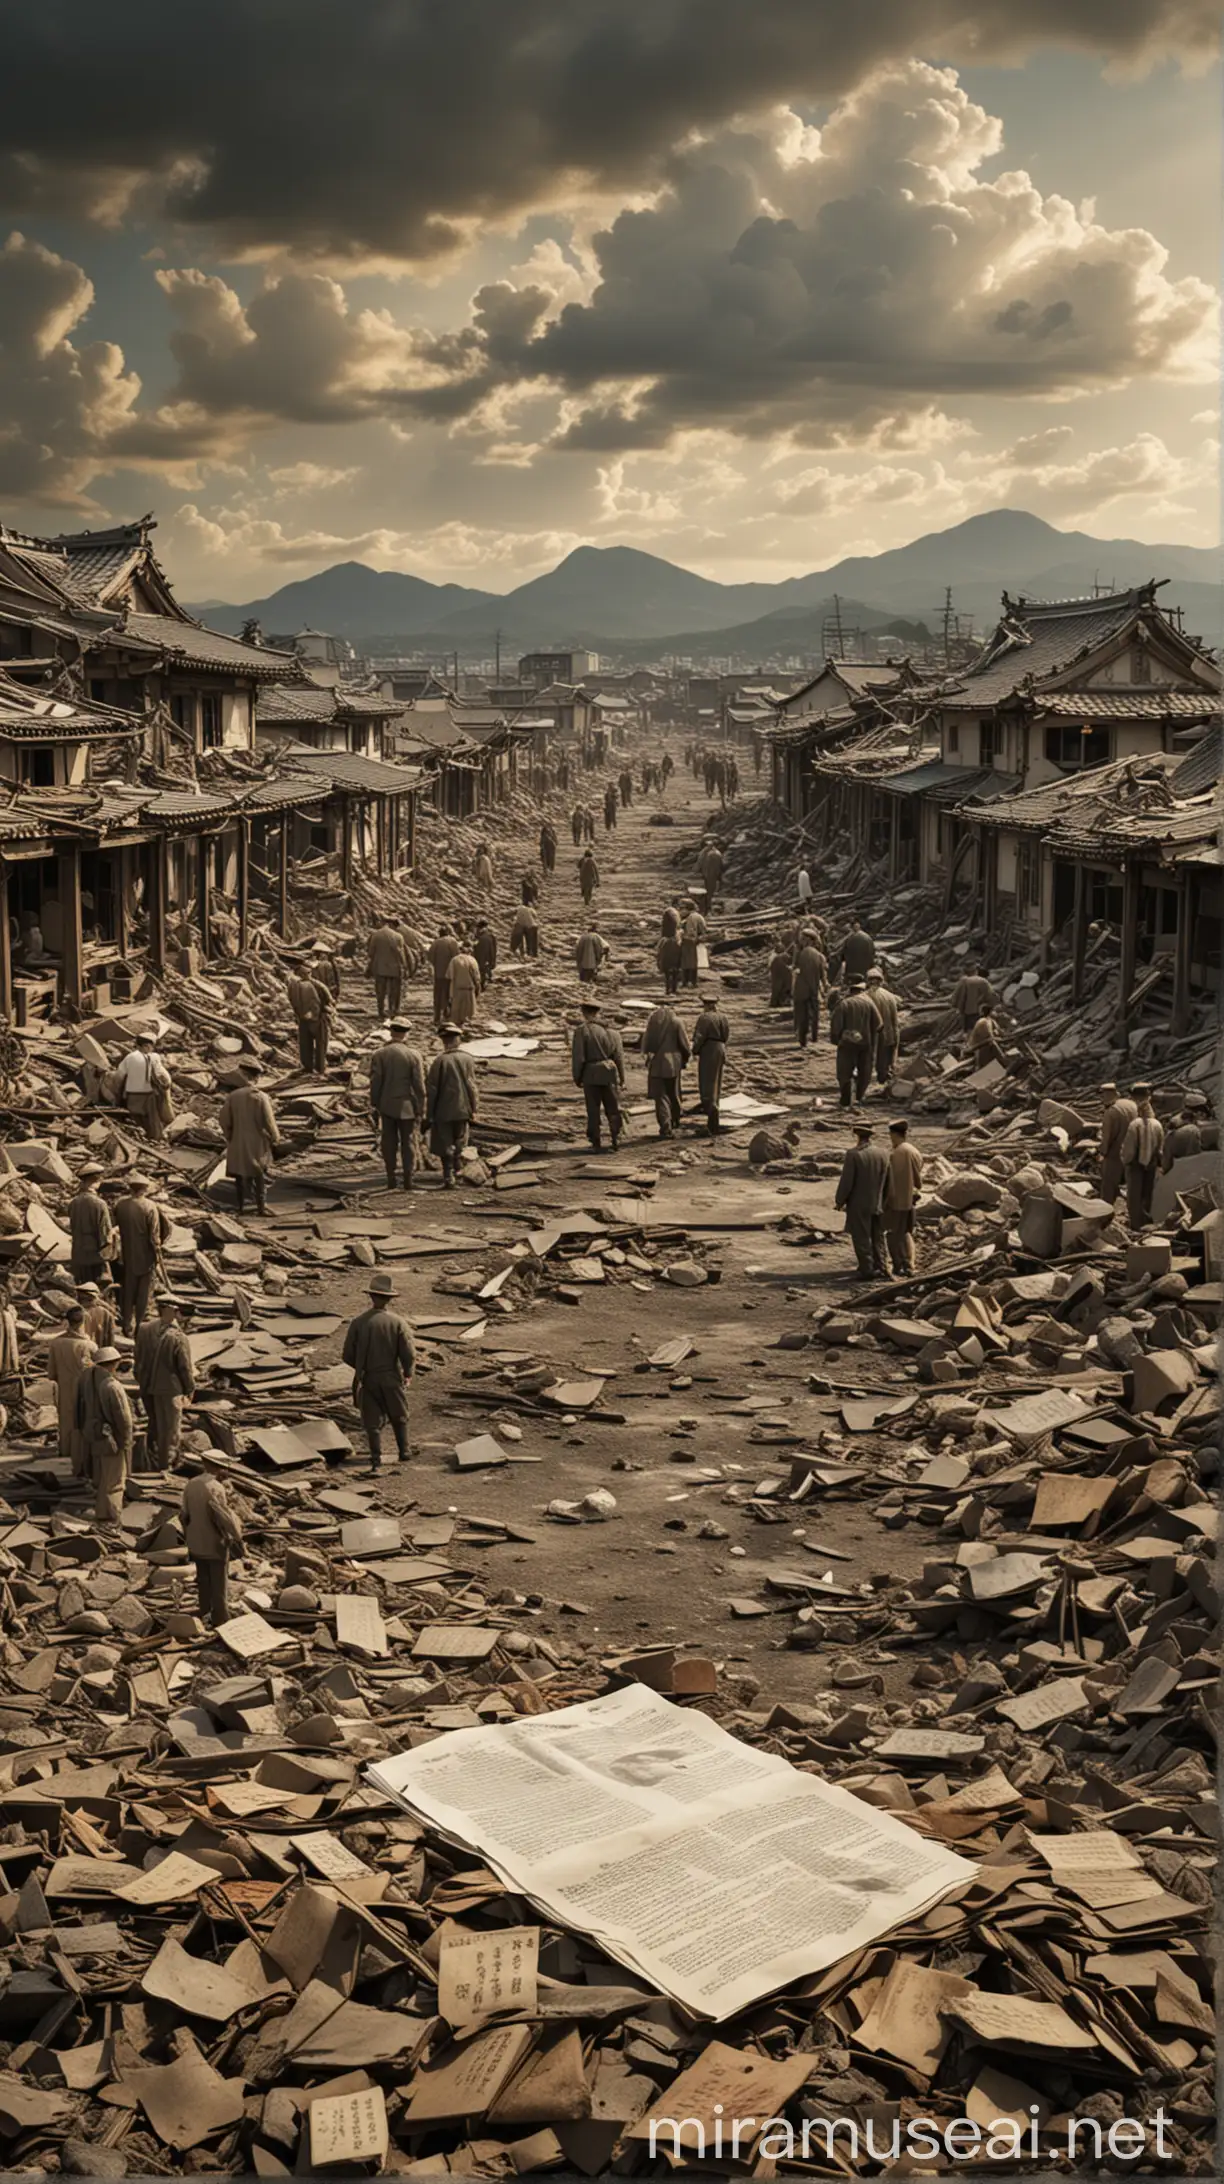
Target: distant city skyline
(455, 291)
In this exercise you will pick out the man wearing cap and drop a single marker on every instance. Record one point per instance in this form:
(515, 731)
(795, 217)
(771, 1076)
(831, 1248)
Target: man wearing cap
(597, 1058)
(104, 1418)
(1141, 1148)
(451, 1103)
(588, 875)
(171, 1381)
(211, 1532)
(1184, 1137)
(440, 952)
(711, 1036)
(325, 968)
(809, 978)
(311, 1004)
(854, 1026)
(902, 1190)
(889, 1037)
(397, 1101)
(143, 1229)
(860, 1195)
(142, 1078)
(387, 965)
(248, 1125)
(666, 1051)
(378, 1347)
(1117, 1115)
(590, 954)
(99, 1320)
(68, 1358)
(90, 1227)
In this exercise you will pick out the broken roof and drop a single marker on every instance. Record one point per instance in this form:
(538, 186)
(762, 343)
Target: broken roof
(352, 770)
(1038, 640)
(190, 644)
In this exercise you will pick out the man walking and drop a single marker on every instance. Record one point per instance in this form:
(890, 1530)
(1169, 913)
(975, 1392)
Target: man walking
(379, 1350)
(597, 1058)
(1141, 1158)
(1116, 1119)
(711, 866)
(104, 1419)
(387, 965)
(90, 1227)
(588, 875)
(441, 951)
(248, 1125)
(143, 1082)
(901, 1193)
(68, 1359)
(211, 1533)
(143, 1229)
(451, 1103)
(808, 978)
(484, 948)
(711, 1035)
(525, 932)
(576, 826)
(856, 954)
(666, 1050)
(610, 807)
(854, 1026)
(590, 954)
(397, 1101)
(692, 933)
(171, 1382)
(462, 985)
(667, 956)
(860, 1195)
(311, 1004)
(548, 845)
(888, 1038)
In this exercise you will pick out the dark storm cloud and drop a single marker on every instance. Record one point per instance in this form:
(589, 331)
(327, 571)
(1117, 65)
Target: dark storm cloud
(384, 128)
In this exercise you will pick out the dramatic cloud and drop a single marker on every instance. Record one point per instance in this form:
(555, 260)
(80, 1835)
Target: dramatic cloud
(61, 405)
(388, 129)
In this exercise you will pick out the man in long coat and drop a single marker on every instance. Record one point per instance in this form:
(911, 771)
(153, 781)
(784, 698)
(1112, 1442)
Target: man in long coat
(440, 953)
(311, 1003)
(1116, 1119)
(397, 1101)
(68, 1358)
(143, 1229)
(692, 933)
(462, 986)
(860, 1196)
(901, 1193)
(248, 1125)
(889, 1036)
(588, 875)
(666, 1050)
(1141, 1149)
(711, 1034)
(710, 864)
(104, 1417)
(451, 1103)
(387, 965)
(597, 1060)
(854, 1025)
(379, 1349)
(808, 980)
(90, 1227)
(171, 1382)
(548, 845)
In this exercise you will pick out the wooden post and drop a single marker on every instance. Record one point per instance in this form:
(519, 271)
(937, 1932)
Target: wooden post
(6, 958)
(159, 893)
(346, 843)
(123, 936)
(282, 878)
(1130, 940)
(204, 891)
(1079, 933)
(412, 806)
(380, 834)
(244, 885)
(72, 974)
(1179, 1021)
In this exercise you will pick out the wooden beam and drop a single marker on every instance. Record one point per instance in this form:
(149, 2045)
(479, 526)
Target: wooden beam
(412, 813)
(6, 955)
(346, 843)
(159, 895)
(282, 879)
(1179, 1021)
(124, 934)
(1079, 933)
(204, 892)
(1130, 941)
(72, 972)
(244, 885)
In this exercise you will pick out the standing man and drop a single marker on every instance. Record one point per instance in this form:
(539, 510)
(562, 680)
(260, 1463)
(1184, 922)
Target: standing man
(667, 956)
(692, 933)
(588, 823)
(484, 948)
(983, 1046)
(857, 953)
(902, 1189)
(440, 952)
(99, 1320)
(143, 1080)
(397, 1101)
(588, 875)
(104, 1418)
(1141, 1158)
(597, 1058)
(525, 932)
(711, 865)
(803, 888)
(462, 985)
(610, 807)
(172, 1381)
(577, 828)
(143, 1229)
(548, 845)
(311, 1004)
(248, 1125)
(854, 1026)
(451, 1103)
(781, 974)
(90, 1227)
(625, 785)
(378, 1347)
(666, 1050)
(387, 965)
(889, 1010)
(324, 967)
(483, 868)
(808, 979)
(148, 1337)
(590, 954)
(211, 1533)
(68, 1359)
(860, 1195)
(1184, 1137)
(711, 1036)
(1116, 1119)
(972, 995)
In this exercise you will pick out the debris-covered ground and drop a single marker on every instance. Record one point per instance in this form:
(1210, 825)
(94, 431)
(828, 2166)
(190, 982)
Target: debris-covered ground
(947, 1542)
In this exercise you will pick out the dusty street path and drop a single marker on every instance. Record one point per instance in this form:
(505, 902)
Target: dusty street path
(695, 1441)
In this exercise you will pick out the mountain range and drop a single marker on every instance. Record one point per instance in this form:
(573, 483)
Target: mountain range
(617, 599)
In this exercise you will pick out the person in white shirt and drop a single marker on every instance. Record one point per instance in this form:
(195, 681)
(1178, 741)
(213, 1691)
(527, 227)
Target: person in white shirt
(804, 885)
(142, 1078)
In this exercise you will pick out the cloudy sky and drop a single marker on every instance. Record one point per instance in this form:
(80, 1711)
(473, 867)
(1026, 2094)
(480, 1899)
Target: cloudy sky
(456, 285)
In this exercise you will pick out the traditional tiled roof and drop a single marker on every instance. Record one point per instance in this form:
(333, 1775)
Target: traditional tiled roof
(196, 646)
(40, 716)
(1202, 767)
(285, 703)
(1129, 704)
(944, 784)
(351, 770)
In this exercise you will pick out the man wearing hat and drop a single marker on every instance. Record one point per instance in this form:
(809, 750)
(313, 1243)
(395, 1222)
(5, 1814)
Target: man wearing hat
(666, 1052)
(90, 1227)
(440, 952)
(311, 1004)
(211, 1532)
(854, 1026)
(69, 1357)
(1184, 1137)
(451, 1103)
(99, 1321)
(889, 1010)
(166, 1378)
(809, 979)
(692, 933)
(143, 1079)
(711, 1034)
(462, 985)
(860, 1195)
(1117, 1116)
(387, 965)
(248, 1125)
(378, 1347)
(143, 1229)
(901, 1193)
(397, 1101)
(1141, 1149)
(104, 1418)
(597, 1057)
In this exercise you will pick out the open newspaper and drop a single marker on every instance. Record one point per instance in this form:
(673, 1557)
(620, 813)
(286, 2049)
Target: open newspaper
(719, 1872)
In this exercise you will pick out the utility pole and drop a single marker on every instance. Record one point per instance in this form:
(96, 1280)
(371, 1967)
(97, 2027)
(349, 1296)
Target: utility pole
(947, 627)
(497, 643)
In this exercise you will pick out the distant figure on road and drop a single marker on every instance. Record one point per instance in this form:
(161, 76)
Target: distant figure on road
(387, 965)
(854, 1027)
(451, 1103)
(901, 1193)
(591, 954)
(860, 1196)
(588, 875)
(666, 1051)
(248, 1125)
(711, 1036)
(379, 1350)
(597, 1059)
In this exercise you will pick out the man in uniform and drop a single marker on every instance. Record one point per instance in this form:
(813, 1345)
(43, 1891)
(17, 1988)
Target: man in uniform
(1141, 1149)
(588, 875)
(590, 954)
(666, 1050)
(692, 933)
(397, 1101)
(889, 1039)
(856, 954)
(1116, 1118)
(860, 1195)
(378, 1347)
(451, 1103)
(68, 1358)
(597, 1058)
(143, 1229)
(311, 1004)
(248, 1125)
(171, 1381)
(854, 1025)
(387, 965)
(143, 1078)
(901, 1192)
(809, 978)
(441, 951)
(972, 995)
(90, 1227)
(104, 1419)
(711, 1035)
